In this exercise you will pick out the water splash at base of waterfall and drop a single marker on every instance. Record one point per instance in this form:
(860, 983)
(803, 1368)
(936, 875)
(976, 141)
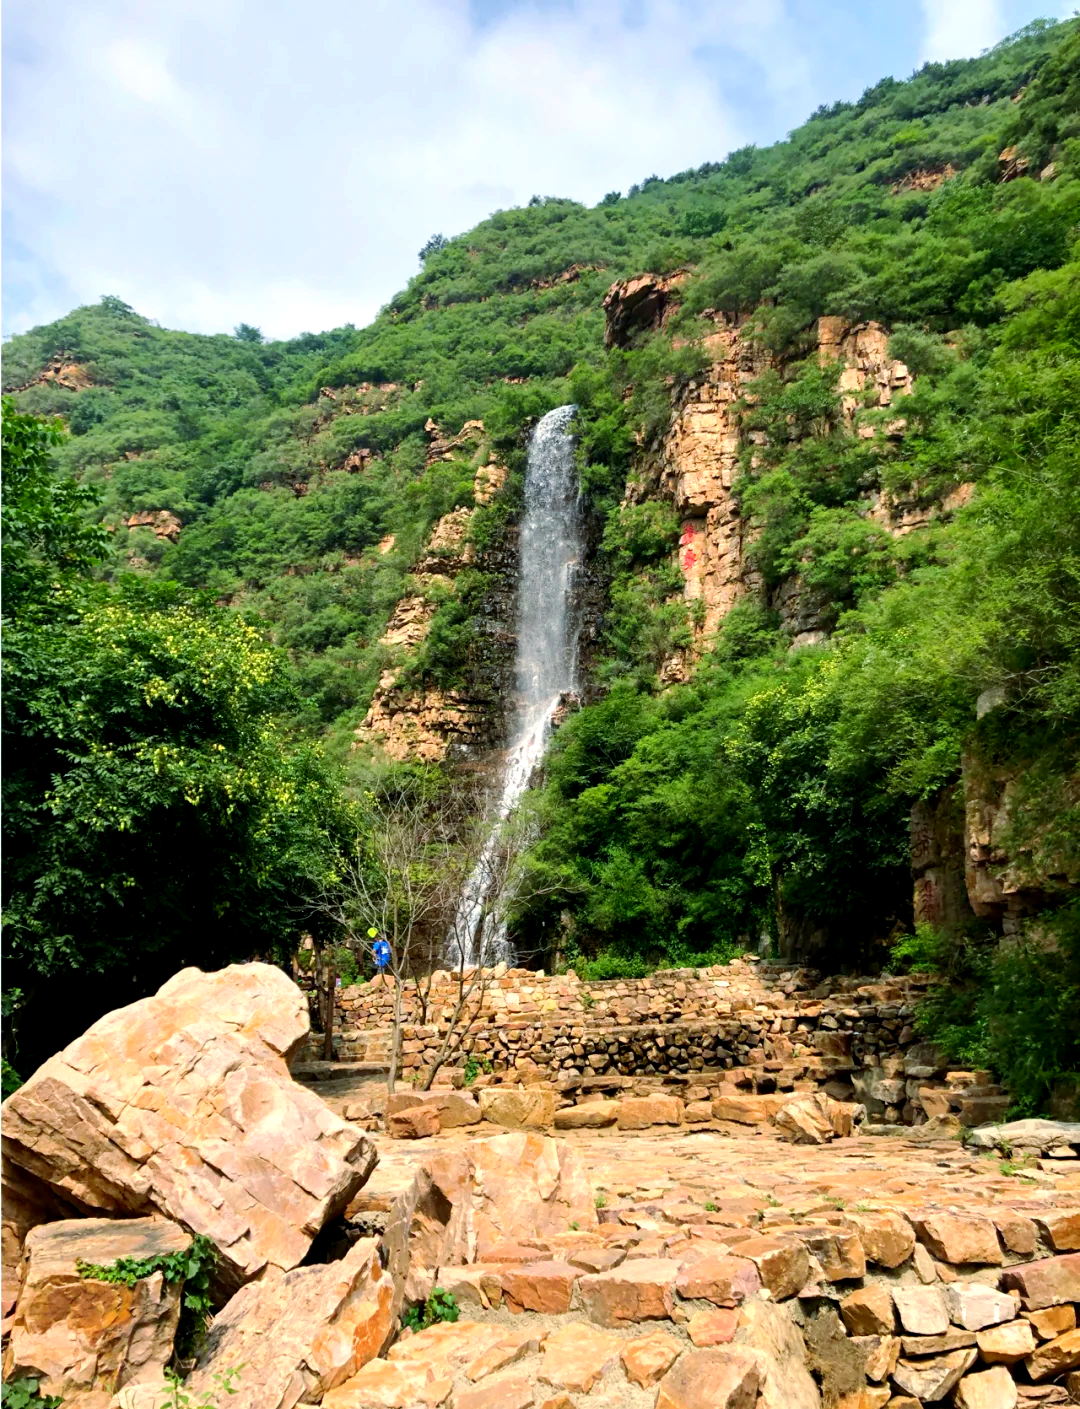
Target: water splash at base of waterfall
(546, 667)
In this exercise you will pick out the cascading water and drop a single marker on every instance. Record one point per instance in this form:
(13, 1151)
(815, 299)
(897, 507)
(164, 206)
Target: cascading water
(546, 667)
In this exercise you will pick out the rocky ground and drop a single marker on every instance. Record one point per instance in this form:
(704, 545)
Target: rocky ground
(907, 1247)
(634, 1251)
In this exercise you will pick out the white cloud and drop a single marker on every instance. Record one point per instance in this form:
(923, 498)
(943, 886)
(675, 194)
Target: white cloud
(278, 163)
(959, 29)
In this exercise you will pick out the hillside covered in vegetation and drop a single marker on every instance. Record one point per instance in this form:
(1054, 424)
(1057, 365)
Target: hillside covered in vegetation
(731, 782)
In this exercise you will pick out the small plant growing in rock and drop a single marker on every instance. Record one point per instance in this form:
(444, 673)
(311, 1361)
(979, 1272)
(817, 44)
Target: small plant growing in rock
(26, 1394)
(601, 1199)
(208, 1399)
(862, 1207)
(710, 1207)
(575, 1225)
(474, 1065)
(192, 1268)
(441, 1305)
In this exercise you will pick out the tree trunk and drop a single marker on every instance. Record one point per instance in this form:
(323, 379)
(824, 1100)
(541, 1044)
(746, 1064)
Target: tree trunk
(329, 996)
(395, 1043)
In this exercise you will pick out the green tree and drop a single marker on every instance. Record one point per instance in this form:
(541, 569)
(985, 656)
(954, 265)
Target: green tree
(155, 813)
(47, 540)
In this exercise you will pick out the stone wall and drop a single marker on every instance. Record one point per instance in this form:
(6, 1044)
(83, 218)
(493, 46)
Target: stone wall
(762, 1027)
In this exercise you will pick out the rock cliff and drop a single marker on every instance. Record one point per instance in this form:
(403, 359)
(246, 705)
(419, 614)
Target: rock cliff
(415, 719)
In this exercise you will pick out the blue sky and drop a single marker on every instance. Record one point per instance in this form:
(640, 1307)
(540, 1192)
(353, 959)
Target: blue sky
(280, 163)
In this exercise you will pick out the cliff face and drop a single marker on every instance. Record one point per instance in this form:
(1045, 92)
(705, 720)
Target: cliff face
(700, 457)
(409, 720)
(965, 864)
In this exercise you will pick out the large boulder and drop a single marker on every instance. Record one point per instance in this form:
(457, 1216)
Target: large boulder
(814, 1118)
(297, 1337)
(518, 1107)
(77, 1335)
(1032, 1136)
(182, 1104)
(466, 1204)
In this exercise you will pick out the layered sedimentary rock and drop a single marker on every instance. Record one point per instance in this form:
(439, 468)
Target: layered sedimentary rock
(26, 1204)
(78, 1335)
(699, 458)
(467, 1204)
(182, 1105)
(297, 1338)
(962, 864)
(410, 720)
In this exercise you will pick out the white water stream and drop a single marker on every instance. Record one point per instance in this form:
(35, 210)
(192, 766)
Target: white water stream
(546, 667)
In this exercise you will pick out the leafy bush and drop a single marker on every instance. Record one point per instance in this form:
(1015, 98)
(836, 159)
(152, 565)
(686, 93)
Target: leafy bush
(26, 1394)
(441, 1305)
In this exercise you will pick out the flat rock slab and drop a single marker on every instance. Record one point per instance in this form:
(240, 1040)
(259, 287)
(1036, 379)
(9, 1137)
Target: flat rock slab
(518, 1107)
(932, 1379)
(711, 1379)
(547, 1287)
(725, 1281)
(1052, 1281)
(1034, 1134)
(987, 1389)
(575, 1356)
(921, 1310)
(648, 1358)
(717, 1326)
(182, 1104)
(1006, 1344)
(974, 1307)
(641, 1290)
(79, 1335)
(474, 1203)
(959, 1237)
(868, 1311)
(590, 1115)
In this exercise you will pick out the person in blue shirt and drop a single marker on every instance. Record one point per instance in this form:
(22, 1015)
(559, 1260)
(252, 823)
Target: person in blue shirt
(380, 952)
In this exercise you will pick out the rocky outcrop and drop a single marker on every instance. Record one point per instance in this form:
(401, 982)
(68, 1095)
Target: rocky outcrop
(964, 864)
(465, 1205)
(296, 1338)
(924, 178)
(77, 1335)
(410, 720)
(937, 861)
(698, 460)
(161, 521)
(424, 724)
(1003, 885)
(72, 376)
(633, 305)
(182, 1105)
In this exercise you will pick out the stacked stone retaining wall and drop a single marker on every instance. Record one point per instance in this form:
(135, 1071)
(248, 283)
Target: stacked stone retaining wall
(782, 1028)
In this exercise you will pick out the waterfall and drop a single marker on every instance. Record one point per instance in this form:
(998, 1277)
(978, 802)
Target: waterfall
(546, 666)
